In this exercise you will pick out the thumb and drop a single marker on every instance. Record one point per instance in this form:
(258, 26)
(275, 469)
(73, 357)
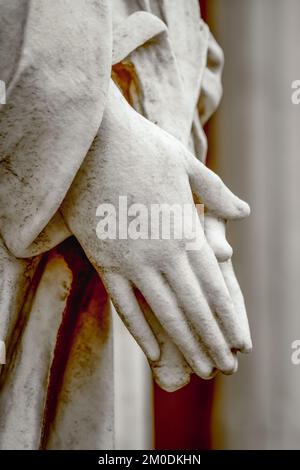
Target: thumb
(213, 193)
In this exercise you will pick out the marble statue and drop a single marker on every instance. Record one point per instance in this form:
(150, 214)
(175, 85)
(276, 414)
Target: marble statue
(106, 99)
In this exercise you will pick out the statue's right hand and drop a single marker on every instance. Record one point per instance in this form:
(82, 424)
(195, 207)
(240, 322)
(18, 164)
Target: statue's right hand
(184, 290)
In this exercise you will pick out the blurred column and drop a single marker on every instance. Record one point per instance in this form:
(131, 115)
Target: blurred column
(254, 144)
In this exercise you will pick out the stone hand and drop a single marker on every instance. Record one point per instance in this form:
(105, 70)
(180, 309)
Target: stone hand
(171, 371)
(185, 290)
(216, 236)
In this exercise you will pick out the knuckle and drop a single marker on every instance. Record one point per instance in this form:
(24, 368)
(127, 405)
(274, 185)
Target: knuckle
(223, 251)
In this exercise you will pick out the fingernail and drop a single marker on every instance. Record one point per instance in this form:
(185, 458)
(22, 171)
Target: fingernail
(152, 352)
(244, 208)
(247, 348)
(230, 366)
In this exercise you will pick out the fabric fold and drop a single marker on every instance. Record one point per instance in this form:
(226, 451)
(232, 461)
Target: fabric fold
(54, 108)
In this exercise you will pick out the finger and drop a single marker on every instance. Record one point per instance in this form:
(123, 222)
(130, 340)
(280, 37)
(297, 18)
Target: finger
(209, 275)
(238, 300)
(197, 309)
(216, 237)
(126, 305)
(163, 303)
(214, 229)
(214, 194)
(171, 372)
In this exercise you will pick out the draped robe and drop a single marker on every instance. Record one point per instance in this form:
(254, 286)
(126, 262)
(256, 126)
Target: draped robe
(56, 388)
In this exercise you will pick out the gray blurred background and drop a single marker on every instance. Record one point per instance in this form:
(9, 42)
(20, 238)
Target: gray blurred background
(254, 142)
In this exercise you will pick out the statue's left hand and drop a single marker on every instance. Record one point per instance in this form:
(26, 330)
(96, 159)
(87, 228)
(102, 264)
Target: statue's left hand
(171, 371)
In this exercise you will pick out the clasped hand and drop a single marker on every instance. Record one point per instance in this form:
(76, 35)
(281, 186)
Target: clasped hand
(177, 303)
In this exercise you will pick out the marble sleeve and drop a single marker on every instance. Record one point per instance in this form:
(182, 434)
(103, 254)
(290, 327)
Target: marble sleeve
(55, 60)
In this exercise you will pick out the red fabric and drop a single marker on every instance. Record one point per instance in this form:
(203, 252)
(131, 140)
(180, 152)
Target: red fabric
(183, 418)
